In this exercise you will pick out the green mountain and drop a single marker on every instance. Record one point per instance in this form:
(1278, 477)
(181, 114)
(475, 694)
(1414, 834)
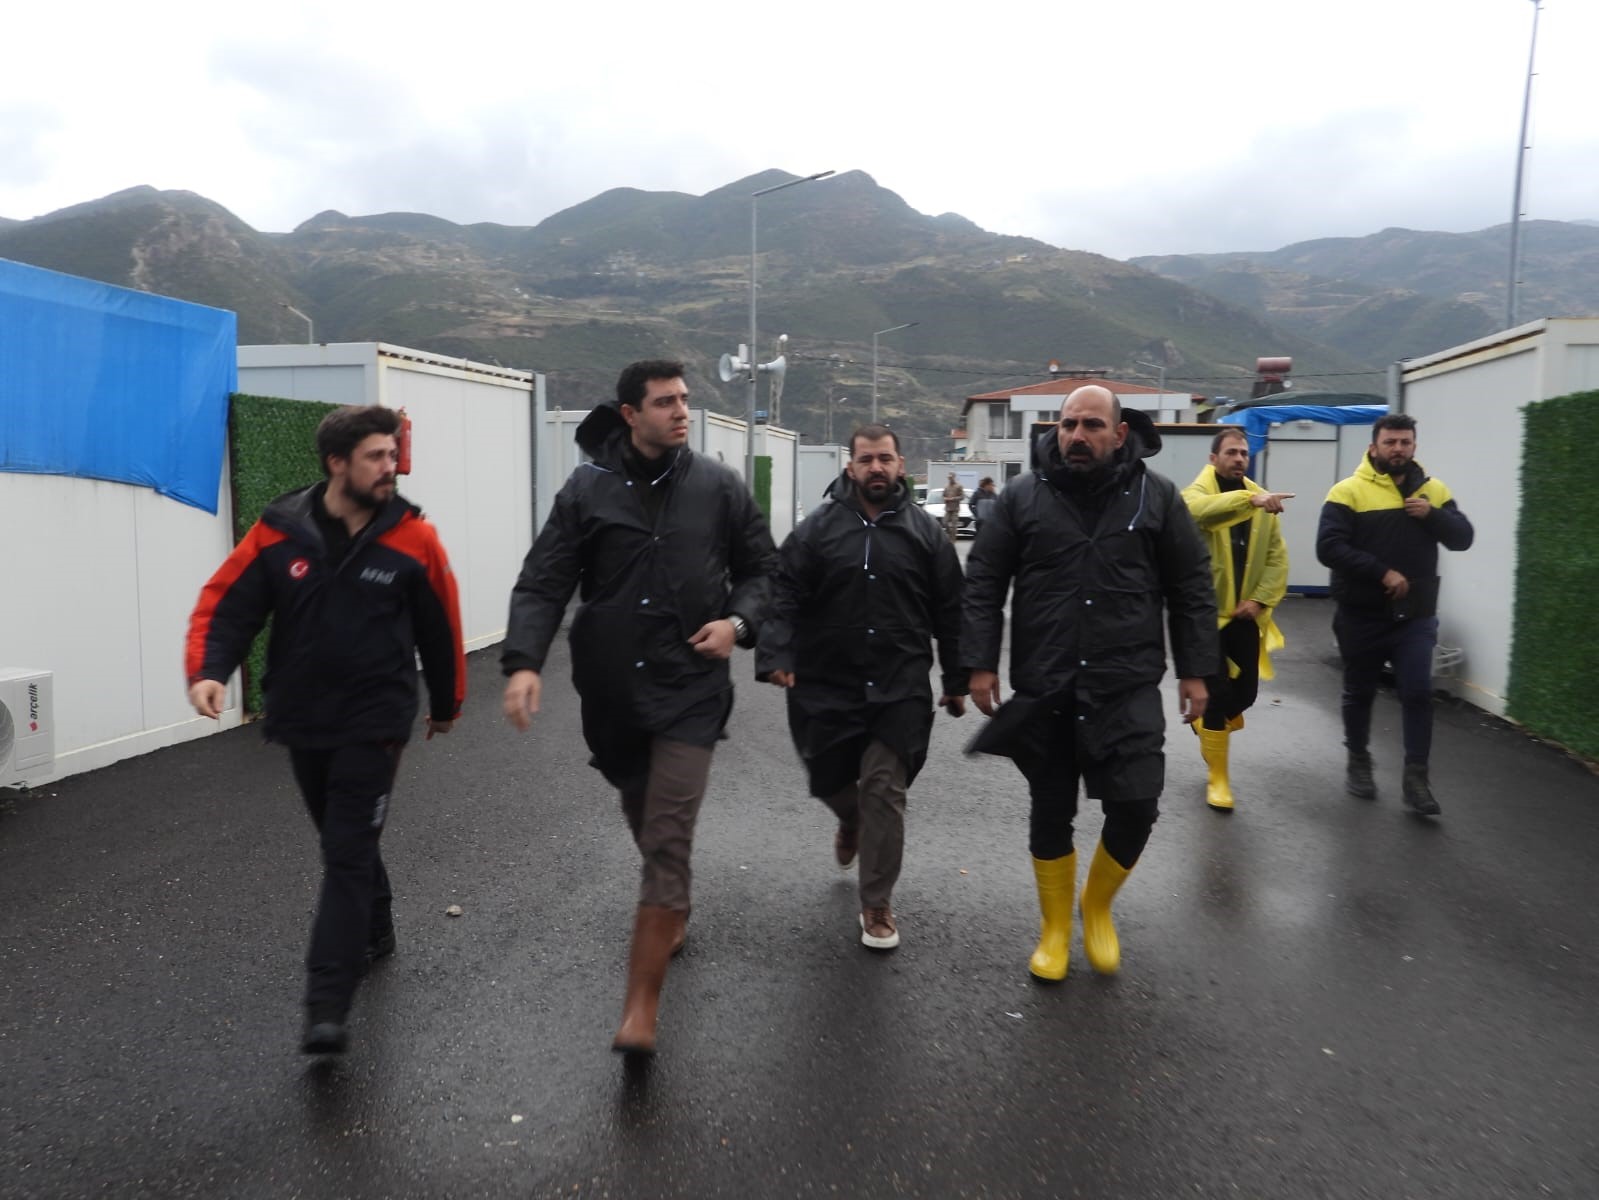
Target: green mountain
(1402, 293)
(172, 243)
(630, 273)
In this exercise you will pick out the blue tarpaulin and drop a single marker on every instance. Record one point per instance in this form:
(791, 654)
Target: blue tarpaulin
(1256, 421)
(104, 382)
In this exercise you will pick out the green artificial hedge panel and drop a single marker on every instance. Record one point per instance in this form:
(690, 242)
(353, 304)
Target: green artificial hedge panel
(273, 450)
(763, 484)
(1554, 657)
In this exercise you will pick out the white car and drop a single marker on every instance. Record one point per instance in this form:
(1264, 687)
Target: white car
(933, 502)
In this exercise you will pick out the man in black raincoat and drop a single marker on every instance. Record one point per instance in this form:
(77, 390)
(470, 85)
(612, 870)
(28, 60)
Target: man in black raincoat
(862, 587)
(671, 557)
(1097, 545)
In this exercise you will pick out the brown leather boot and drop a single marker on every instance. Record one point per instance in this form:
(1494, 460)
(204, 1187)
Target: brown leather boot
(655, 931)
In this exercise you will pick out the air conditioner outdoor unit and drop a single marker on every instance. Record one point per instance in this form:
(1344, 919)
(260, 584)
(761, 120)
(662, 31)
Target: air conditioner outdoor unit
(27, 726)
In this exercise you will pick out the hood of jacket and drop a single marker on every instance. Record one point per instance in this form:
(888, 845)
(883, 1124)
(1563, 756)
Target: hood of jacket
(604, 422)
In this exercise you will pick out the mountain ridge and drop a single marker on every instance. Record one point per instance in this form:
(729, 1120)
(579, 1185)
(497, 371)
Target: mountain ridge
(631, 273)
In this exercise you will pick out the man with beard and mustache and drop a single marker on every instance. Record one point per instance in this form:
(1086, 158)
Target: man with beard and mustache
(1097, 547)
(1249, 566)
(670, 555)
(863, 585)
(357, 584)
(1380, 532)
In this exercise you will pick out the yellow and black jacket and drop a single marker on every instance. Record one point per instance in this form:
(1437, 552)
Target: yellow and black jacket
(1365, 532)
(1265, 579)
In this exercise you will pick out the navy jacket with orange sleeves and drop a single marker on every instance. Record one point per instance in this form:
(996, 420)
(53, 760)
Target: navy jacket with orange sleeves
(341, 664)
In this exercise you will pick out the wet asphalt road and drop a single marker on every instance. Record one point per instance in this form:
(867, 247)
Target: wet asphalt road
(1320, 996)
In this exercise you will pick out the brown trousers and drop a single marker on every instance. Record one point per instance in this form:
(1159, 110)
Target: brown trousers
(661, 814)
(876, 805)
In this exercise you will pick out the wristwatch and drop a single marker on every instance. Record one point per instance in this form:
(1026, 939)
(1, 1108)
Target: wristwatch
(741, 629)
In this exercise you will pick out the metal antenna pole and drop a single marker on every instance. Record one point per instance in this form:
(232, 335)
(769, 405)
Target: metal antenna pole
(1521, 159)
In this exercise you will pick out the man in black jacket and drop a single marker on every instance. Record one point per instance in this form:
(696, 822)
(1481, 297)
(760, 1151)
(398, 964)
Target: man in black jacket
(671, 556)
(1096, 545)
(1380, 532)
(357, 584)
(862, 587)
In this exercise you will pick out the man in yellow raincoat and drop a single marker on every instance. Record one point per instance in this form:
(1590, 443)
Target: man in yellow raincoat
(1249, 565)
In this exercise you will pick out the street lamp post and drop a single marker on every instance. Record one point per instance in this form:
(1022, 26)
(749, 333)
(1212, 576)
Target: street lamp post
(841, 401)
(309, 338)
(875, 336)
(754, 369)
(1521, 158)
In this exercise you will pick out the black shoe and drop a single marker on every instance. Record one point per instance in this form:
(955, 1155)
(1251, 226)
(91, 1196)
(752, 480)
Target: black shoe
(381, 946)
(1418, 795)
(324, 1035)
(1357, 777)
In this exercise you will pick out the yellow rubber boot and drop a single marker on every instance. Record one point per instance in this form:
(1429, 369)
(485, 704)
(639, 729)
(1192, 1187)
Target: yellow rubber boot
(1057, 880)
(1105, 878)
(1213, 746)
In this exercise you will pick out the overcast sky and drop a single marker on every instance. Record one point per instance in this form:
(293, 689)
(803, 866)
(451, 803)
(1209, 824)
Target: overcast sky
(1129, 127)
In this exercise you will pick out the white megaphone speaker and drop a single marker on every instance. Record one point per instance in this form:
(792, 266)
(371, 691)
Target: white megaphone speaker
(777, 368)
(730, 366)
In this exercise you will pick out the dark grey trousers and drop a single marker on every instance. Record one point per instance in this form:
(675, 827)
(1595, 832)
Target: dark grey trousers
(875, 804)
(661, 814)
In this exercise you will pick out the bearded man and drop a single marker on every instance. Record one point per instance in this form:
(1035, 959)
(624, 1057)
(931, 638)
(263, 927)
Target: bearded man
(863, 586)
(1099, 548)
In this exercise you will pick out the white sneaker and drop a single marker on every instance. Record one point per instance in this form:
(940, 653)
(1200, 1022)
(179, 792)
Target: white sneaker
(878, 930)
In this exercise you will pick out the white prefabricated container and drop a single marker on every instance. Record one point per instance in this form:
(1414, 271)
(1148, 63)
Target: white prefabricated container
(472, 455)
(1467, 402)
(819, 466)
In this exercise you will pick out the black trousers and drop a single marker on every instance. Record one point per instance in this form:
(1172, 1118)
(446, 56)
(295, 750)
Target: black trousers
(1231, 694)
(1127, 784)
(1366, 641)
(346, 791)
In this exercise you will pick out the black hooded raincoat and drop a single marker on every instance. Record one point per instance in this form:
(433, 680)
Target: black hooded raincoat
(856, 603)
(646, 586)
(1089, 591)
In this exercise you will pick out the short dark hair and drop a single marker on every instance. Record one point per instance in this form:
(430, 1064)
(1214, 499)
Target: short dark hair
(873, 433)
(1229, 431)
(985, 481)
(1401, 421)
(632, 382)
(343, 429)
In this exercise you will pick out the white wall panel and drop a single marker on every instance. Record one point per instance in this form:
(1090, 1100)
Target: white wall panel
(1469, 434)
(100, 581)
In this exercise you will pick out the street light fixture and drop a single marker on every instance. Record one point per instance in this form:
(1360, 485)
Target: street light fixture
(875, 336)
(309, 339)
(1160, 367)
(752, 366)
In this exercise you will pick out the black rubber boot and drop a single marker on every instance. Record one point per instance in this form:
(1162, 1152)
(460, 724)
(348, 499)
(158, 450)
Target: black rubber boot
(1357, 779)
(1418, 795)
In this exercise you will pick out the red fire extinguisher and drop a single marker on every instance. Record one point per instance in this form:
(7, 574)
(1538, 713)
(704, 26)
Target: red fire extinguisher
(403, 467)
